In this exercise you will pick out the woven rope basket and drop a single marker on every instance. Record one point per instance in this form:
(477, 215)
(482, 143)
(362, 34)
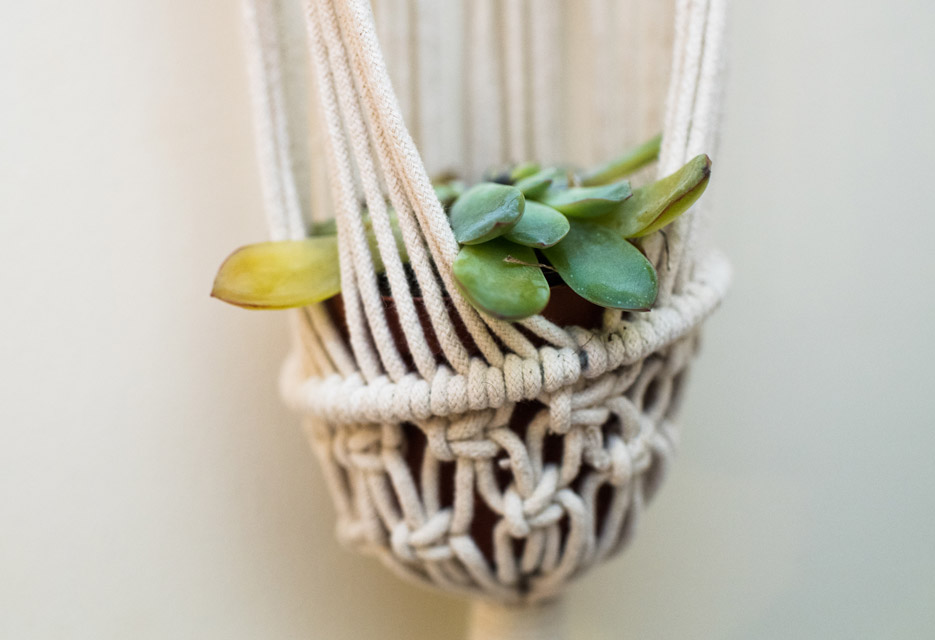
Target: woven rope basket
(485, 458)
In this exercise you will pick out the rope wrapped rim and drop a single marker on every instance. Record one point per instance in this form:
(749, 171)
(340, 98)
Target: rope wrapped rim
(348, 400)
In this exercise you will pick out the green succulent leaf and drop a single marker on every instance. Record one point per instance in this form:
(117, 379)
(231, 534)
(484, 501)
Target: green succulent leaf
(622, 166)
(486, 211)
(502, 279)
(524, 170)
(280, 275)
(587, 202)
(535, 185)
(603, 268)
(654, 206)
(541, 226)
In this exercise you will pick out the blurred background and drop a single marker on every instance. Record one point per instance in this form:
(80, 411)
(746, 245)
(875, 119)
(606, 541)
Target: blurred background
(152, 486)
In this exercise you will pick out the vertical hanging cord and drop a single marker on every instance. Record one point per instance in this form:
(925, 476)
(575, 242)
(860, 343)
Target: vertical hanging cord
(448, 337)
(352, 244)
(340, 358)
(438, 314)
(408, 166)
(283, 209)
(669, 154)
(538, 325)
(376, 205)
(666, 255)
(704, 125)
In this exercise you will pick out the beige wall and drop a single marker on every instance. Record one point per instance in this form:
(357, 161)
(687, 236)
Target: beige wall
(152, 487)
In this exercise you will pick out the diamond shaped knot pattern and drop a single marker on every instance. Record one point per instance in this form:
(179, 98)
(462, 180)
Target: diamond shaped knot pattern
(505, 483)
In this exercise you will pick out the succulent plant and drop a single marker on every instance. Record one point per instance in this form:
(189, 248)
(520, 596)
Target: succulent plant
(580, 226)
(519, 220)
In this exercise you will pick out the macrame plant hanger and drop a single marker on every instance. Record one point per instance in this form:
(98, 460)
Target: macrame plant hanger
(484, 458)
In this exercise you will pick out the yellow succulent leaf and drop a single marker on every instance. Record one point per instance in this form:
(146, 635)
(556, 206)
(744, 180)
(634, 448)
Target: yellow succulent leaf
(280, 275)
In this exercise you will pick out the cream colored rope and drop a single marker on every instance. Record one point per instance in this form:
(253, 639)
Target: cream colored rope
(555, 437)
(274, 139)
(690, 120)
(338, 399)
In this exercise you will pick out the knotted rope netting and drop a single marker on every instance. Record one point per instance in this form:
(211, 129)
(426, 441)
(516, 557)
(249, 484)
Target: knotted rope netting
(487, 458)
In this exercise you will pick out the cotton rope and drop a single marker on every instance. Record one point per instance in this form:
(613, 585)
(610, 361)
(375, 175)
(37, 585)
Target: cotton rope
(418, 447)
(283, 208)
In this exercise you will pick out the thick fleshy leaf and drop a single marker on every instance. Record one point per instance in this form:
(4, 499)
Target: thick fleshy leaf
(280, 275)
(656, 205)
(524, 170)
(502, 279)
(541, 226)
(622, 166)
(485, 211)
(587, 202)
(603, 268)
(538, 183)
